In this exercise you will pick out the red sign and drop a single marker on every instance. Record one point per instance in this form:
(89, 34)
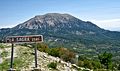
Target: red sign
(24, 39)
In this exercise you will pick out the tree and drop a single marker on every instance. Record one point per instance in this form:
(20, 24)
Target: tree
(105, 59)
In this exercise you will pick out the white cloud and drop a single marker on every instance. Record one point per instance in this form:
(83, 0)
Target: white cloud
(7, 26)
(111, 24)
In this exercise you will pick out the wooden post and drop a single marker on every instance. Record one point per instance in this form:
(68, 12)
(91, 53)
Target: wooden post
(35, 55)
(11, 63)
(36, 68)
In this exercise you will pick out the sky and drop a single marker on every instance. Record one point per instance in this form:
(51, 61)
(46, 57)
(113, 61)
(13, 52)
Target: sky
(104, 13)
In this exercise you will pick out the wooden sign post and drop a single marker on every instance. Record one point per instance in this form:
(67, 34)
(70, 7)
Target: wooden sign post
(23, 39)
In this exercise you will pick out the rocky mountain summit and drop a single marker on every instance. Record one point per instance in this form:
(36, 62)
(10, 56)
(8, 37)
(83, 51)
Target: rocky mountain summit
(56, 21)
(50, 19)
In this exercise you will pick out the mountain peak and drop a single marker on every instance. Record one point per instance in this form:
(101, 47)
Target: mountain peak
(49, 19)
(57, 21)
(55, 14)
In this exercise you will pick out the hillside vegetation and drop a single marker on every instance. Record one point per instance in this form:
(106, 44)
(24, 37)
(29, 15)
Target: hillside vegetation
(53, 59)
(24, 59)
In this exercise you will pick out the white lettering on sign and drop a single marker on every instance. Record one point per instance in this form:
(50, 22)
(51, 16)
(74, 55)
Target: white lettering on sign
(20, 39)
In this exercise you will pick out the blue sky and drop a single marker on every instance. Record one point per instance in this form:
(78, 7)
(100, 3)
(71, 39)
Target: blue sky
(104, 13)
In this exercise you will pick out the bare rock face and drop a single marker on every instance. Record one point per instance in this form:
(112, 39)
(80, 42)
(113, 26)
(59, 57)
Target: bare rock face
(55, 20)
(50, 19)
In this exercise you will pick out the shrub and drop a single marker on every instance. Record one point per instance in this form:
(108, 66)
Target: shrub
(89, 64)
(4, 65)
(66, 54)
(119, 67)
(96, 64)
(42, 47)
(4, 54)
(52, 65)
(105, 59)
(54, 52)
(81, 63)
(25, 44)
(1, 46)
(63, 53)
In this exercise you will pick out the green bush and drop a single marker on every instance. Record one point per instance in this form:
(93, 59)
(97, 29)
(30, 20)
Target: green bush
(52, 65)
(4, 65)
(54, 52)
(89, 64)
(4, 54)
(25, 44)
(67, 55)
(106, 59)
(42, 47)
(63, 53)
(80, 63)
(96, 65)
(1, 46)
(119, 67)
